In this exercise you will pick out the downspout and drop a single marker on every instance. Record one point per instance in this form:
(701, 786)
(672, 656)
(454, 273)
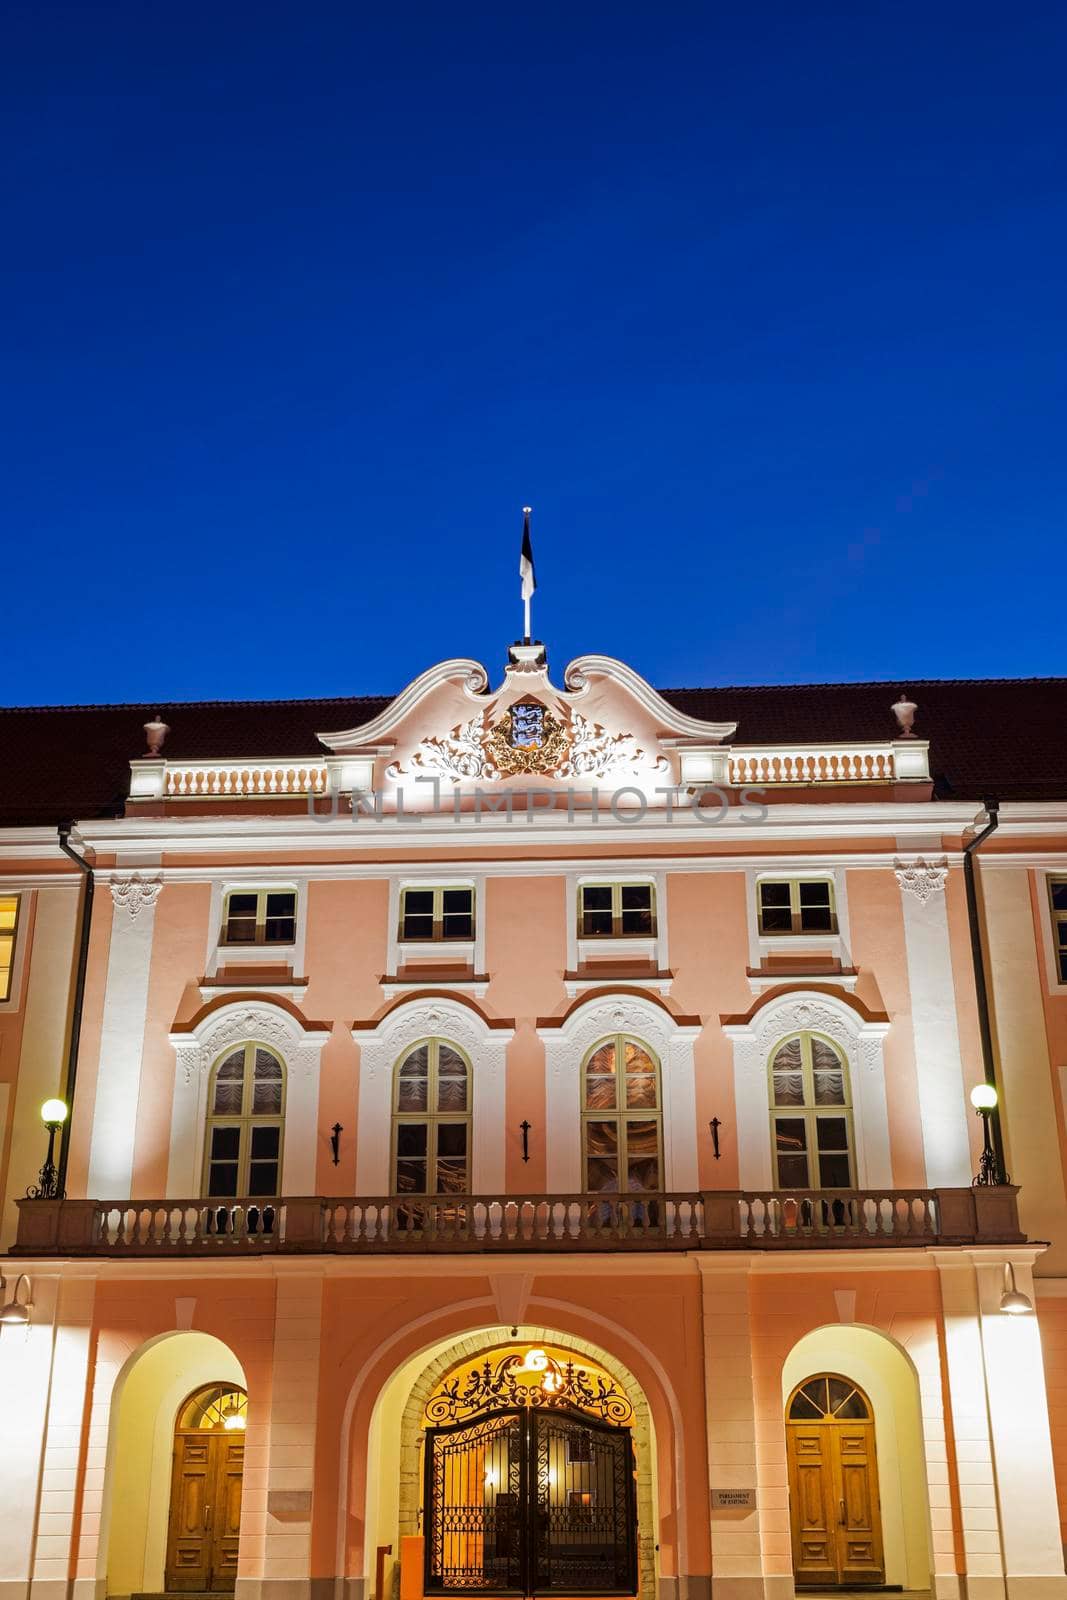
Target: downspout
(79, 997)
(981, 990)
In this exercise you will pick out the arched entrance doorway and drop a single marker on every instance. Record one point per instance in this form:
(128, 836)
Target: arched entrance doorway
(835, 1512)
(205, 1495)
(529, 1477)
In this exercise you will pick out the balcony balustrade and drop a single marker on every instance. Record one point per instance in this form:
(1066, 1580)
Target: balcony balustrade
(805, 1219)
(809, 762)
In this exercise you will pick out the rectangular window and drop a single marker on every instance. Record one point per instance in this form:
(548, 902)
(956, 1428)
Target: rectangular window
(9, 916)
(812, 1152)
(616, 911)
(437, 914)
(1057, 894)
(797, 905)
(259, 916)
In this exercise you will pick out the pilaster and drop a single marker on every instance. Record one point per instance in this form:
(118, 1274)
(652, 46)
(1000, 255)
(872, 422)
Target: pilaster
(289, 1463)
(1021, 1439)
(938, 1063)
(122, 1034)
(983, 1553)
(67, 1409)
(750, 1546)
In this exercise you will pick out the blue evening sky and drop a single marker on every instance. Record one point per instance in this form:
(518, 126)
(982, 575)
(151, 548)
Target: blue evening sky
(760, 306)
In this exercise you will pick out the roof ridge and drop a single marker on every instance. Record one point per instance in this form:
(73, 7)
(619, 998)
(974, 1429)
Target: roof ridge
(856, 683)
(689, 688)
(200, 705)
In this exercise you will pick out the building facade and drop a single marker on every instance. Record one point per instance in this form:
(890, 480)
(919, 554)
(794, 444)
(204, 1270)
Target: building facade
(520, 1140)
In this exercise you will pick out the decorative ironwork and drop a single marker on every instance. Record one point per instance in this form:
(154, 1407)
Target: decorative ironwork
(583, 1537)
(474, 1484)
(531, 1502)
(47, 1185)
(507, 1384)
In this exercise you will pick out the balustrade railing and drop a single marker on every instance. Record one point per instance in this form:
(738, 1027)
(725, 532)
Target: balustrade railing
(874, 763)
(401, 1225)
(790, 765)
(220, 780)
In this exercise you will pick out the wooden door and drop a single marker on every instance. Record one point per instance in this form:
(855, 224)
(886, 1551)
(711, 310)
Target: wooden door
(811, 1504)
(833, 1486)
(859, 1530)
(226, 1509)
(205, 1500)
(191, 1495)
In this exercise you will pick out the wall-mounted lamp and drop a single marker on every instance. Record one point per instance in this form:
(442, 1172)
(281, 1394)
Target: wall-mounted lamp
(335, 1142)
(53, 1115)
(1013, 1301)
(715, 1125)
(15, 1313)
(524, 1129)
(984, 1100)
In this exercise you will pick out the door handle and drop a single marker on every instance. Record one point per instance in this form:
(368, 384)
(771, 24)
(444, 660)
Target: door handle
(842, 1518)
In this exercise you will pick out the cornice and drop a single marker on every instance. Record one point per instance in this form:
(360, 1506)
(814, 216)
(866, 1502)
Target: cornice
(837, 825)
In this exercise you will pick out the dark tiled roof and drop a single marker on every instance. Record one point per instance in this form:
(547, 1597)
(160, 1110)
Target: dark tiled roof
(988, 736)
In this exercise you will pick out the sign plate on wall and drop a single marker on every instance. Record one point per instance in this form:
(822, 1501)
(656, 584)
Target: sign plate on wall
(733, 1499)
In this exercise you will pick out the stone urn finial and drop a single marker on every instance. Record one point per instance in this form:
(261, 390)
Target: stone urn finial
(904, 710)
(155, 733)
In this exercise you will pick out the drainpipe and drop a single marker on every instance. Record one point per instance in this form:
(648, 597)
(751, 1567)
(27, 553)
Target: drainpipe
(79, 997)
(992, 810)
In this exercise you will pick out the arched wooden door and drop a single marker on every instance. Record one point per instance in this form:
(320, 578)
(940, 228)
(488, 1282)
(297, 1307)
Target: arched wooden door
(834, 1509)
(205, 1493)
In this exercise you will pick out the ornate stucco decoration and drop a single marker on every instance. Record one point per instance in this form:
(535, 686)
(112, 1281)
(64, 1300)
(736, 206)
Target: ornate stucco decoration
(921, 878)
(568, 745)
(240, 1024)
(604, 720)
(134, 893)
(533, 1381)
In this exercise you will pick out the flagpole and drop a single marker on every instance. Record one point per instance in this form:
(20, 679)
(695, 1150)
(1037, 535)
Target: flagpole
(527, 586)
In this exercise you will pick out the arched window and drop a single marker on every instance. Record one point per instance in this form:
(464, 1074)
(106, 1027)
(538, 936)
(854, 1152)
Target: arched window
(811, 1114)
(244, 1129)
(432, 1120)
(622, 1126)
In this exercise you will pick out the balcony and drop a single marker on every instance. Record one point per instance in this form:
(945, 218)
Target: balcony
(803, 1219)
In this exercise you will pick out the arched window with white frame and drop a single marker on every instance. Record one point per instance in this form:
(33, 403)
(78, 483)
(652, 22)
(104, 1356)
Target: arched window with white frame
(432, 1085)
(246, 1115)
(811, 1114)
(622, 1118)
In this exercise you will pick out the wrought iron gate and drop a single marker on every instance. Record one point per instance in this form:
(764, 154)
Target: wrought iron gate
(530, 1502)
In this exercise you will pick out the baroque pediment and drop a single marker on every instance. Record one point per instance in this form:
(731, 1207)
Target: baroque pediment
(604, 722)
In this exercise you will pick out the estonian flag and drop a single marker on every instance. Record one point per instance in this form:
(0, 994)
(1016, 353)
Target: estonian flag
(526, 564)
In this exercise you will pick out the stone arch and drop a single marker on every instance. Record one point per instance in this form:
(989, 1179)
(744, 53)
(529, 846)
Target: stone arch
(861, 1038)
(884, 1371)
(153, 1383)
(568, 1041)
(464, 1348)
